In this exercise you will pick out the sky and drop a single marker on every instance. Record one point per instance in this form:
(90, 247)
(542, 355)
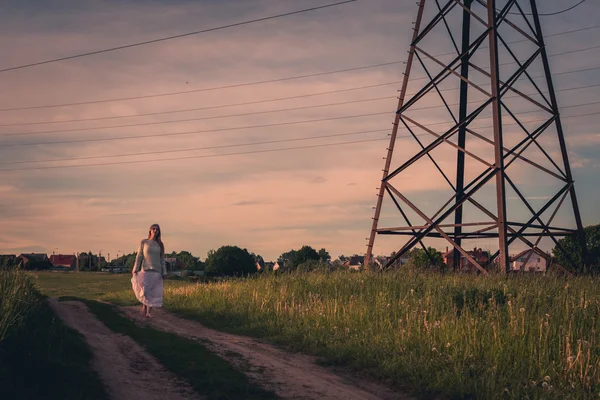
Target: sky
(219, 188)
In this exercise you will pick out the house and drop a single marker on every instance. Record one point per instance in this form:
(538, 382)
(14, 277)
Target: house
(278, 265)
(480, 256)
(63, 261)
(355, 262)
(381, 261)
(35, 260)
(530, 260)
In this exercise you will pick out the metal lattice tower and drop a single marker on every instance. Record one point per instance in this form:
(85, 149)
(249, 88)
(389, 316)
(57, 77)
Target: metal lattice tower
(483, 122)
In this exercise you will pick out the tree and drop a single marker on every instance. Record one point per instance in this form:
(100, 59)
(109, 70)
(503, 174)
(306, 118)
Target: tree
(187, 260)
(306, 253)
(419, 258)
(573, 253)
(229, 261)
(287, 258)
(324, 256)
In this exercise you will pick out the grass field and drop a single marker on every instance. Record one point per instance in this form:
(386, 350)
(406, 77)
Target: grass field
(88, 285)
(458, 335)
(39, 356)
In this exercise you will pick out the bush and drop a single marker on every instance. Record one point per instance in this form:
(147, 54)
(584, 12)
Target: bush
(229, 261)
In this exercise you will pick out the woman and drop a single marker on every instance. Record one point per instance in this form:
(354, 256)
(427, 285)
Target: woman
(149, 271)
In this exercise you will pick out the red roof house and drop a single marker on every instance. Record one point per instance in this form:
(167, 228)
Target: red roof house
(63, 260)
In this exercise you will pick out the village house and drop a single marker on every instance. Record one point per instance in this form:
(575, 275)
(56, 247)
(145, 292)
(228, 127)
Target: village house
(480, 256)
(35, 260)
(530, 261)
(63, 262)
(355, 262)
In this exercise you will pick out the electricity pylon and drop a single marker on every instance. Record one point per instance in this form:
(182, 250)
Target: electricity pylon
(499, 72)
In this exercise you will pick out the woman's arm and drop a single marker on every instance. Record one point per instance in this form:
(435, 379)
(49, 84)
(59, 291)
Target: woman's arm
(163, 265)
(138, 258)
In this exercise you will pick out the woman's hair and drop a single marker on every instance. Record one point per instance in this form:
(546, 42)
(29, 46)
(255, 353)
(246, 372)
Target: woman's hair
(158, 239)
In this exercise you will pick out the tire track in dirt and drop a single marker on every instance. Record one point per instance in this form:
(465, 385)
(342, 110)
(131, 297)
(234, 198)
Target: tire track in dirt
(126, 369)
(290, 376)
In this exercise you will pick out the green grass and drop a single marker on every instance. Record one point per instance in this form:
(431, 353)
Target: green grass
(459, 335)
(532, 337)
(209, 375)
(89, 285)
(40, 357)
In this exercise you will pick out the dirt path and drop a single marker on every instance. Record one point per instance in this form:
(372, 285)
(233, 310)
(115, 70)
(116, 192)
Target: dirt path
(127, 370)
(290, 376)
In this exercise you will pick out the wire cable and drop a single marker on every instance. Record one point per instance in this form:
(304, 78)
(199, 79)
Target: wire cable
(146, 153)
(198, 118)
(246, 152)
(175, 36)
(274, 141)
(199, 156)
(549, 14)
(251, 83)
(208, 107)
(194, 132)
(221, 129)
(205, 118)
(249, 102)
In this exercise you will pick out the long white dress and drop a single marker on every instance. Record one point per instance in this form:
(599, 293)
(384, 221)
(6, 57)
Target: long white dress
(147, 281)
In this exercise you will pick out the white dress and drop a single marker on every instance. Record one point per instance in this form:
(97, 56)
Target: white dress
(147, 281)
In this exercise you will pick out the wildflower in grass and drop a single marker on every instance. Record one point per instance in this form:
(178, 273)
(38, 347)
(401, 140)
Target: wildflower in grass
(434, 349)
(547, 378)
(448, 345)
(522, 310)
(545, 385)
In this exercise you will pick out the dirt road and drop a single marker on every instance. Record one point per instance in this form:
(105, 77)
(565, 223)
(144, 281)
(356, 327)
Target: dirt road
(290, 376)
(127, 370)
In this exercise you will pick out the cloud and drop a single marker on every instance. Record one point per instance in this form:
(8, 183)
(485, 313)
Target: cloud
(268, 202)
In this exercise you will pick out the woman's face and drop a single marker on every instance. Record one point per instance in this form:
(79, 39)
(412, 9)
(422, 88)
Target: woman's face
(154, 231)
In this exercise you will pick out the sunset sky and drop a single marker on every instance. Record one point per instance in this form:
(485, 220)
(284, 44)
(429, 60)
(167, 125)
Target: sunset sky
(267, 200)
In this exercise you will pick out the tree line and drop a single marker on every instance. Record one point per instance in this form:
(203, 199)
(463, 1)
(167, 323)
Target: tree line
(233, 260)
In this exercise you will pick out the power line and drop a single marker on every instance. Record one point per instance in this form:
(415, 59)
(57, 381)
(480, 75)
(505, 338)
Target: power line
(193, 149)
(251, 102)
(549, 14)
(175, 36)
(453, 53)
(203, 89)
(208, 107)
(200, 156)
(278, 141)
(252, 152)
(196, 119)
(220, 129)
(193, 132)
(252, 83)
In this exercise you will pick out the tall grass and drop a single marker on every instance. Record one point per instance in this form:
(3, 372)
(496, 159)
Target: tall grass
(39, 356)
(463, 336)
